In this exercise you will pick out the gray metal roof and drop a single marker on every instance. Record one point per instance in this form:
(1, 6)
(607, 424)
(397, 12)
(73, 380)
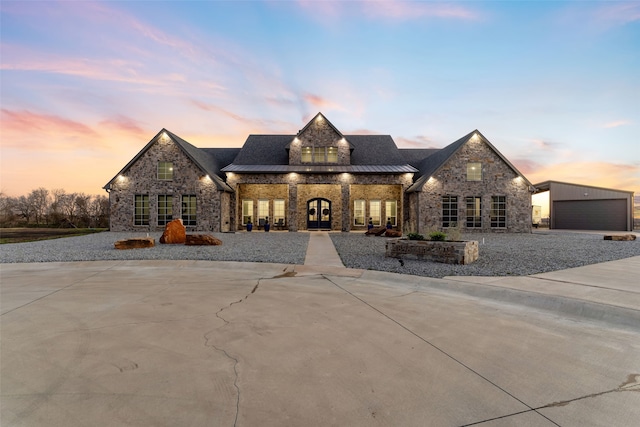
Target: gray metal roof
(359, 169)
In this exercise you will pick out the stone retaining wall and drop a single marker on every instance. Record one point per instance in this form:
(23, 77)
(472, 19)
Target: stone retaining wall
(445, 252)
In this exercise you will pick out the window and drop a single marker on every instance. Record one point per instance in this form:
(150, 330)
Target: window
(332, 154)
(449, 211)
(374, 211)
(306, 155)
(358, 212)
(263, 209)
(319, 154)
(247, 211)
(474, 212)
(165, 171)
(141, 210)
(391, 209)
(498, 211)
(189, 210)
(165, 209)
(278, 210)
(474, 171)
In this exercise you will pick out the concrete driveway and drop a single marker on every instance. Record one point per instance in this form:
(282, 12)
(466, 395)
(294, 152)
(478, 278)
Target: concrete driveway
(198, 343)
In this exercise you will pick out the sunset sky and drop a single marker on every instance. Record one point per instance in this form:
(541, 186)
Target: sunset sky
(555, 86)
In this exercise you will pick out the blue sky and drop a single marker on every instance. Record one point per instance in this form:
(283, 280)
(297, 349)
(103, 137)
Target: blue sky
(85, 85)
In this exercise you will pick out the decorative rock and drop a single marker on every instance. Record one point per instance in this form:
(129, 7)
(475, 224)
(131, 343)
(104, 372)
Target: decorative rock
(376, 231)
(174, 232)
(393, 233)
(623, 237)
(202, 239)
(136, 243)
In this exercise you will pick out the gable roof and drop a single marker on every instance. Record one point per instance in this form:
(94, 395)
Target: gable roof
(414, 156)
(369, 154)
(432, 164)
(203, 161)
(335, 129)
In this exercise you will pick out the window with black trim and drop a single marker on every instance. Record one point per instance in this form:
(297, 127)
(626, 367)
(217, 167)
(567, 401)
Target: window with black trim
(165, 209)
(498, 211)
(141, 209)
(391, 211)
(449, 211)
(474, 212)
(319, 154)
(189, 210)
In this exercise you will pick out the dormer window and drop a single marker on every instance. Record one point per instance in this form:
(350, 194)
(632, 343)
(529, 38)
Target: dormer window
(319, 154)
(165, 171)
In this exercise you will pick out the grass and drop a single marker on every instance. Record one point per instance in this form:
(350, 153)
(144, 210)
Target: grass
(19, 235)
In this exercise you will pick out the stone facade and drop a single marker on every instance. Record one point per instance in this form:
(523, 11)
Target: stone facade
(498, 179)
(379, 178)
(141, 178)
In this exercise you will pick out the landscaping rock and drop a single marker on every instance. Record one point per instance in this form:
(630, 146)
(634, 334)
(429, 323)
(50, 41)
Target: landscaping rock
(174, 233)
(623, 237)
(202, 239)
(393, 233)
(376, 231)
(136, 243)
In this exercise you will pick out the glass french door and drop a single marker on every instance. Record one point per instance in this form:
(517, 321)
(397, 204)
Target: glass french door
(318, 214)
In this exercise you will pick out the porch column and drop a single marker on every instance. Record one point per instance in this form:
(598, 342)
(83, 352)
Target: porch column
(346, 207)
(293, 207)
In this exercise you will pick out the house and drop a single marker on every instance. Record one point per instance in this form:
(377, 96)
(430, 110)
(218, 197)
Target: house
(320, 179)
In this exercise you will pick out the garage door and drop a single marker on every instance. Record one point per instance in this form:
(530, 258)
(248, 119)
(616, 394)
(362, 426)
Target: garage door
(590, 214)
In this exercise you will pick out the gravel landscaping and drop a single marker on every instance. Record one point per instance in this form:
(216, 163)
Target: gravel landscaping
(281, 248)
(500, 254)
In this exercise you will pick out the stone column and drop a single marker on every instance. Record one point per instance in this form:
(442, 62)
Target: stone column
(346, 207)
(293, 207)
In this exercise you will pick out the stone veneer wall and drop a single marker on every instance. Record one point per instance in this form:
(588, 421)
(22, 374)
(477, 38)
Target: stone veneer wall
(303, 187)
(377, 192)
(498, 179)
(319, 134)
(141, 178)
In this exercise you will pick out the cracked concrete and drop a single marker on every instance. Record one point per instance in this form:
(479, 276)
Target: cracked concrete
(212, 343)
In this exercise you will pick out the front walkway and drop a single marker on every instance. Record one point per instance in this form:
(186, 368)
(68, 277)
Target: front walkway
(321, 251)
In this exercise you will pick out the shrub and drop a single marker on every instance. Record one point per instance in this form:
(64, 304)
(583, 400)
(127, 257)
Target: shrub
(415, 236)
(438, 236)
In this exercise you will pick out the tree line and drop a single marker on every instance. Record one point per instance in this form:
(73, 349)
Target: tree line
(55, 208)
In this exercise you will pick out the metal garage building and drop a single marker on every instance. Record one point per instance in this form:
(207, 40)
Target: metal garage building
(583, 207)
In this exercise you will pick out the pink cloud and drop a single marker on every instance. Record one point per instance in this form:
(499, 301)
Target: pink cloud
(419, 141)
(616, 124)
(618, 13)
(320, 102)
(25, 130)
(410, 10)
(396, 10)
(125, 124)
(526, 166)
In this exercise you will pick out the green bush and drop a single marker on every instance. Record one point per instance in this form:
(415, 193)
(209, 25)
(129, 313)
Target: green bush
(415, 236)
(438, 236)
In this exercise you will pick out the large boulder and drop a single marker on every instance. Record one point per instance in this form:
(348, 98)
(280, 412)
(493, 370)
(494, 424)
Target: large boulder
(376, 231)
(174, 233)
(202, 239)
(136, 243)
(393, 233)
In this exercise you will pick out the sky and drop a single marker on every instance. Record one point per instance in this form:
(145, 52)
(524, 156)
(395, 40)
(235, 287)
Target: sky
(84, 85)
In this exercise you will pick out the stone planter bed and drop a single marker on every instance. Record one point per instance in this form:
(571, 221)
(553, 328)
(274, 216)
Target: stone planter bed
(463, 252)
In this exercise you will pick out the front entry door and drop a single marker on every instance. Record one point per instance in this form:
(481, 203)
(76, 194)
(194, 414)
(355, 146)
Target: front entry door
(318, 214)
